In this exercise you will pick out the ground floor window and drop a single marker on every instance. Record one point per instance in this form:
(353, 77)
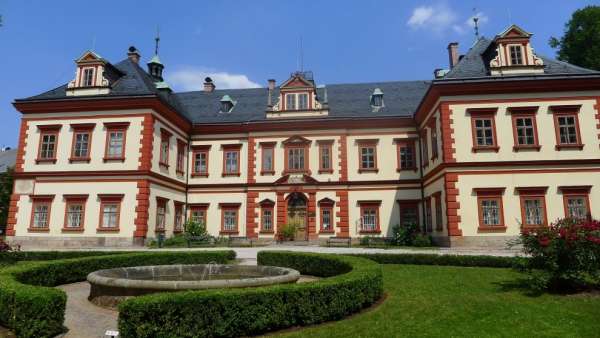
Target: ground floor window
(110, 208)
(229, 217)
(369, 216)
(74, 211)
(40, 211)
(576, 201)
(490, 208)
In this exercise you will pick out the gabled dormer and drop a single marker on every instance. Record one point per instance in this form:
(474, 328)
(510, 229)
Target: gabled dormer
(94, 76)
(513, 54)
(298, 98)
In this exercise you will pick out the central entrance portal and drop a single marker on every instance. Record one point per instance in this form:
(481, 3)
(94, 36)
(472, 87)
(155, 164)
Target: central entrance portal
(296, 214)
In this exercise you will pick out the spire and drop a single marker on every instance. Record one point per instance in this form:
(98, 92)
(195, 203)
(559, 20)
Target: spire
(156, 41)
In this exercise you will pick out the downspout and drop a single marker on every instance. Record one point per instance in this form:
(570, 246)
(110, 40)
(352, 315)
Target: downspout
(423, 213)
(187, 177)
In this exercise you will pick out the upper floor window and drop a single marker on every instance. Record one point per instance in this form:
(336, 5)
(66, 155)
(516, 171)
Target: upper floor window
(302, 101)
(296, 154)
(524, 128)
(200, 160)
(88, 77)
(115, 140)
(165, 138)
(424, 147)
(297, 101)
(566, 123)
(325, 156)
(377, 98)
(484, 129)
(367, 151)
(406, 154)
(516, 55)
(296, 159)
(82, 141)
(267, 159)
(226, 104)
(48, 143)
(180, 157)
(290, 101)
(434, 138)
(231, 159)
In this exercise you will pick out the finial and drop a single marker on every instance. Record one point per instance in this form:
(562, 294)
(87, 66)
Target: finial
(476, 23)
(156, 40)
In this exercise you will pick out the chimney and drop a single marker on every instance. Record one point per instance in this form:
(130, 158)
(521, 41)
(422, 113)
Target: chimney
(453, 54)
(134, 55)
(271, 87)
(209, 86)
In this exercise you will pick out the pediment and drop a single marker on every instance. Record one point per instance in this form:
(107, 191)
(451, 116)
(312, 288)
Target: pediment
(296, 179)
(514, 31)
(89, 56)
(296, 81)
(296, 139)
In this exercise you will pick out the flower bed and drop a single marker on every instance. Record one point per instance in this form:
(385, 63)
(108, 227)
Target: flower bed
(30, 305)
(350, 284)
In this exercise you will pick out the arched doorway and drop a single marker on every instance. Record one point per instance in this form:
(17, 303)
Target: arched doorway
(296, 214)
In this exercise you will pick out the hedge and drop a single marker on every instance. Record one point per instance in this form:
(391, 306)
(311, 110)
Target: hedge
(450, 260)
(13, 257)
(31, 307)
(350, 284)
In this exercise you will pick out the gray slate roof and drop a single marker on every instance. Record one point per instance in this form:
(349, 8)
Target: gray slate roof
(7, 159)
(475, 64)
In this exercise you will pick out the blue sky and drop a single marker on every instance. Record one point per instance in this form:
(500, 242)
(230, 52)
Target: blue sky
(244, 43)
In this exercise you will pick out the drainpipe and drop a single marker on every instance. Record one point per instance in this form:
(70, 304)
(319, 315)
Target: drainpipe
(187, 177)
(423, 213)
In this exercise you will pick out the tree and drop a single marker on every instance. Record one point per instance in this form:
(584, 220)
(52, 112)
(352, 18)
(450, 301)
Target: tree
(580, 44)
(6, 188)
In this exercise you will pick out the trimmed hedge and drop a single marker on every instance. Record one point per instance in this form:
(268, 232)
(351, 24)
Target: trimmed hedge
(353, 283)
(32, 308)
(449, 260)
(13, 257)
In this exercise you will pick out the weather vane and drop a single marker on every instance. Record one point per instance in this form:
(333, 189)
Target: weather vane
(476, 23)
(156, 40)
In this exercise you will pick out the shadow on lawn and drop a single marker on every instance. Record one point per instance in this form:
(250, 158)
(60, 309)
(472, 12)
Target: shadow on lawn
(522, 285)
(525, 287)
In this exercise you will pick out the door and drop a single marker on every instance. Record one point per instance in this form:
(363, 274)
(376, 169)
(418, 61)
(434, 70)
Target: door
(297, 215)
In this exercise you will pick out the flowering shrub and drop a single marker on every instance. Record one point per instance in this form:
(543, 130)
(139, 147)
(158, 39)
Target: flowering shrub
(565, 255)
(4, 247)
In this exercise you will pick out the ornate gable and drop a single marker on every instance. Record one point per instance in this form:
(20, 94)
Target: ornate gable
(514, 54)
(298, 98)
(90, 76)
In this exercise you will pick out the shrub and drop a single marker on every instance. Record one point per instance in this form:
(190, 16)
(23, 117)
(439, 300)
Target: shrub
(422, 240)
(32, 308)
(17, 256)
(446, 260)
(409, 235)
(353, 284)
(4, 247)
(564, 256)
(197, 230)
(288, 231)
(176, 241)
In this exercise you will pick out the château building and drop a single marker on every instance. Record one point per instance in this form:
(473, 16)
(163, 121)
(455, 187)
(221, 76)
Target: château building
(504, 140)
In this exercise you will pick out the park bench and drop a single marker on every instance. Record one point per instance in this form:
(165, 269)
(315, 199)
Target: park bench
(337, 241)
(200, 241)
(373, 242)
(237, 240)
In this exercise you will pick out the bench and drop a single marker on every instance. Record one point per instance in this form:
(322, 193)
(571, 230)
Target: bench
(240, 240)
(337, 241)
(200, 241)
(376, 242)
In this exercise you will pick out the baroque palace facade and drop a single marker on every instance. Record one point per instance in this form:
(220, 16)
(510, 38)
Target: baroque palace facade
(503, 140)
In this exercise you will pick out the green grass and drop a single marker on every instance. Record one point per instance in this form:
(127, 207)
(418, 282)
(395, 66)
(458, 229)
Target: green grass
(442, 301)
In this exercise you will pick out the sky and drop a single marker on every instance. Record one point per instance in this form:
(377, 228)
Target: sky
(242, 43)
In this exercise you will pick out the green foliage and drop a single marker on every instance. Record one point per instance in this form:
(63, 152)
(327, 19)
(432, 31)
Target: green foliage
(422, 240)
(33, 308)
(195, 229)
(353, 284)
(17, 256)
(564, 256)
(409, 235)
(449, 260)
(288, 231)
(6, 188)
(580, 44)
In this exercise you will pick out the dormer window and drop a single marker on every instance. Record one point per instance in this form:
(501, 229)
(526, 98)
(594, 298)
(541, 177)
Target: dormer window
(377, 98)
(516, 55)
(302, 101)
(226, 104)
(88, 77)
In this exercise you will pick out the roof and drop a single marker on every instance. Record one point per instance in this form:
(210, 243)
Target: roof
(475, 64)
(7, 159)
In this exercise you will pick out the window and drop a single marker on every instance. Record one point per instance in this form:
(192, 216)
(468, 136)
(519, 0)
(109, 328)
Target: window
(231, 160)
(161, 213)
(434, 138)
(516, 57)
(409, 212)
(369, 216)
(48, 143)
(428, 215)
(178, 222)
(490, 209)
(533, 206)
(576, 201)
(367, 155)
(266, 216)
(439, 221)
(229, 218)
(296, 155)
(198, 213)
(179, 168)
(424, 148)
(82, 141)
(484, 129)
(406, 154)
(165, 138)
(200, 160)
(566, 123)
(40, 212)
(290, 101)
(74, 212)
(524, 128)
(88, 77)
(267, 153)
(302, 101)
(296, 159)
(110, 208)
(115, 141)
(326, 215)
(325, 156)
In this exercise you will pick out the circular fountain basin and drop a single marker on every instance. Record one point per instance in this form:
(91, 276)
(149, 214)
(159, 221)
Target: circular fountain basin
(110, 286)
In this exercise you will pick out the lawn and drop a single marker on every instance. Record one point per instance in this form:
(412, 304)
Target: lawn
(436, 301)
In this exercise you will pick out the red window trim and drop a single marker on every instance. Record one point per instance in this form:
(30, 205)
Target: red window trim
(370, 205)
(81, 128)
(40, 199)
(165, 135)
(50, 129)
(180, 165)
(326, 204)
(325, 144)
(526, 193)
(161, 201)
(232, 148)
(408, 143)
(111, 127)
(487, 194)
(230, 207)
(200, 207)
(110, 199)
(296, 142)
(433, 127)
(484, 114)
(524, 112)
(413, 203)
(178, 205)
(439, 223)
(576, 191)
(263, 146)
(74, 199)
(267, 204)
(566, 110)
(362, 144)
(197, 150)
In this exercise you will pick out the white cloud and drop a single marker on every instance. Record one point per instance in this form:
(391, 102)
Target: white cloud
(192, 78)
(436, 17)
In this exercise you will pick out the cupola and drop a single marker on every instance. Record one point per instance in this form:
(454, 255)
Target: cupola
(155, 68)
